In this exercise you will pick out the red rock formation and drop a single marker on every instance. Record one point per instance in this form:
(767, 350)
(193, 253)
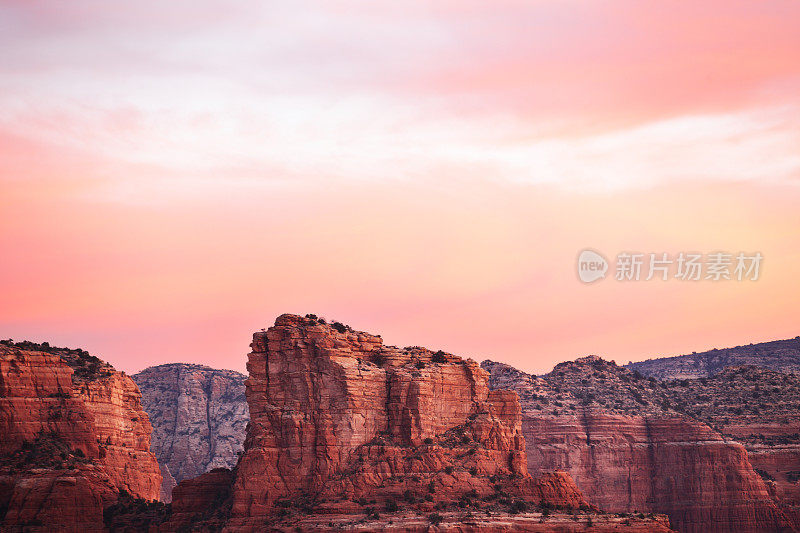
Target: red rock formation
(208, 494)
(344, 428)
(779, 462)
(761, 409)
(667, 465)
(56, 499)
(36, 397)
(122, 430)
(71, 443)
(627, 452)
(336, 417)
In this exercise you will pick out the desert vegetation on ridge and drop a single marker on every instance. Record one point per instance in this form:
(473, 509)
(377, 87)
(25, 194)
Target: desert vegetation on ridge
(620, 434)
(781, 356)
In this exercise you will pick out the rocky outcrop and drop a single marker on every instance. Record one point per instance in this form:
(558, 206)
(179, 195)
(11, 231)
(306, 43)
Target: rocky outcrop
(199, 415)
(761, 409)
(338, 417)
(348, 432)
(209, 494)
(780, 356)
(628, 448)
(74, 436)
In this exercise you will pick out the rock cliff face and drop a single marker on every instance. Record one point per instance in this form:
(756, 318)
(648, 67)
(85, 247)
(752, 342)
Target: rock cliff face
(761, 409)
(781, 356)
(199, 416)
(336, 416)
(348, 432)
(74, 435)
(628, 448)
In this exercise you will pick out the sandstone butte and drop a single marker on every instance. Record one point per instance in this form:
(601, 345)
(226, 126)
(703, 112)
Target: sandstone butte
(74, 437)
(346, 432)
(199, 415)
(629, 451)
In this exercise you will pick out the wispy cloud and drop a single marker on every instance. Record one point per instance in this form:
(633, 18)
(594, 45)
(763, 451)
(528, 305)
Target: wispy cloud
(579, 94)
(417, 169)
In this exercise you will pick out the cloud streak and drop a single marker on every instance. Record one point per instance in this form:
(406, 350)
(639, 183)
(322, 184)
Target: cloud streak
(416, 170)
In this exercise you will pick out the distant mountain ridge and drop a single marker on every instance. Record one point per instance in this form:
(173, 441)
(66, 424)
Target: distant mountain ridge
(199, 415)
(780, 356)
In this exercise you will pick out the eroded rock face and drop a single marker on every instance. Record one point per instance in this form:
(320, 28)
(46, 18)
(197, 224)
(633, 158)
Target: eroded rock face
(759, 408)
(199, 415)
(665, 465)
(337, 417)
(629, 450)
(349, 433)
(208, 493)
(74, 435)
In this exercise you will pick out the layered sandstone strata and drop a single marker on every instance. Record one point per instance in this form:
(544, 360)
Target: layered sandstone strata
(340, 421)
(206, 496)
(349, 433)
(74, 436)
(629, 451)
(199, 415)
(761, 409)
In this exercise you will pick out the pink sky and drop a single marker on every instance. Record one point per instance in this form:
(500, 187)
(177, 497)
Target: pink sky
(174, 176)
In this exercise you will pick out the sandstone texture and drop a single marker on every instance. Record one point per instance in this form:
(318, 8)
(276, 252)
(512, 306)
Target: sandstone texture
(339, 418)
(199, 415)
(74, 436)
(759, 408)
(781, 356)
(208, 493)
(630, 446)
(346, 432)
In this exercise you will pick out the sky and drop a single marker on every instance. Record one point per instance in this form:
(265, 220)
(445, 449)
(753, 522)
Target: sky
(173, 176)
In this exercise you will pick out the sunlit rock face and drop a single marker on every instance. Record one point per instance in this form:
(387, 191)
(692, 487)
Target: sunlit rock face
(74, 435)
(339, 416)
(630, 447)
